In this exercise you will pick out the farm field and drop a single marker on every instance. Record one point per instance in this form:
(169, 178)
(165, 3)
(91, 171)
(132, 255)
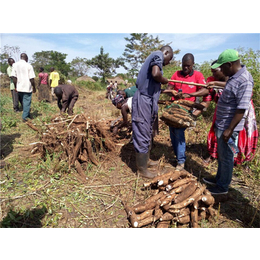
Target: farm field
(47, 191)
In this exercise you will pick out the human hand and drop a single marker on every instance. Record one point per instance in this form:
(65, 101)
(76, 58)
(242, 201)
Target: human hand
(226, 135)
(211, 84)
(183, 95)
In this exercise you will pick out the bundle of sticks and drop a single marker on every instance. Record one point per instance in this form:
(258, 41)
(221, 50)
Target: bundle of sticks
(178, 115)
(180, 199)
(76, 140)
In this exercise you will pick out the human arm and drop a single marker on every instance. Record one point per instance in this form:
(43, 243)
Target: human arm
(33, 85)
(236, 119)
(15, 82)
(200, 93)
(157, 75)
(221, 84)
(124, 112)
(40, 79)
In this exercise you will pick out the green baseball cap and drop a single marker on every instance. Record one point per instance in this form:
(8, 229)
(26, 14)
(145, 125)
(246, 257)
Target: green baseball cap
(228, 55)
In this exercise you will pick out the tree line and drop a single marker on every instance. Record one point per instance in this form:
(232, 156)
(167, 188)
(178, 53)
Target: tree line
(138, 47)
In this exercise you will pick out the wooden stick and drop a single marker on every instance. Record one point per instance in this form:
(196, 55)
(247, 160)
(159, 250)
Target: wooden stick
(194, 84)
(188, 83)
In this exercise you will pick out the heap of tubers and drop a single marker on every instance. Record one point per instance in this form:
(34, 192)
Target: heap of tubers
(76, 140)
(178, 115)
(179, 199)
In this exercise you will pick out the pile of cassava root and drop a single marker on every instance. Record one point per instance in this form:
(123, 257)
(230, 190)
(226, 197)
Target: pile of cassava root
(77, 140)
(179, 200)
(178, 115)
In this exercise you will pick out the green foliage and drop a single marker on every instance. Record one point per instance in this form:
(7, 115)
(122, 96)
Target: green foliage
(91, 85)
(105, 65)
(48, 59)
(79, 67)
(8, 119)
(138, 48)
(169, 70)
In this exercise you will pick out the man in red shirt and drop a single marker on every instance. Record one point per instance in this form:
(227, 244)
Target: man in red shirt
(189, 75)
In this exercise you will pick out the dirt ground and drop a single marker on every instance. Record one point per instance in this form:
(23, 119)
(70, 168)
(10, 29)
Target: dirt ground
(46, 192)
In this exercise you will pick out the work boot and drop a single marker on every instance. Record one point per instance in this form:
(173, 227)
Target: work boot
(141, 163)
(151, 163)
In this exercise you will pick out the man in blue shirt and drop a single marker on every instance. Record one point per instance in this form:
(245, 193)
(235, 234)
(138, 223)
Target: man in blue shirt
(145, 105)
(230, 116)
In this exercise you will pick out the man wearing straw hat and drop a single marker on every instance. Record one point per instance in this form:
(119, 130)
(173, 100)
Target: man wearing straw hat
(187, 74)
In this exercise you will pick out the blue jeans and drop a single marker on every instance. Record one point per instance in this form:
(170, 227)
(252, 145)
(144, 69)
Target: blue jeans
(26, 99)
(178, 143)
(225, 161)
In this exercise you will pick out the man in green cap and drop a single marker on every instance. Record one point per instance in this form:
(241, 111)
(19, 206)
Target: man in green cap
(231, 112)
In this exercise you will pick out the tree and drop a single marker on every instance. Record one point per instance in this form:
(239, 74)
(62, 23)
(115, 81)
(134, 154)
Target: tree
(48, 59)
(105, 65)
(8, 52)
(139, 47)
(79, 67)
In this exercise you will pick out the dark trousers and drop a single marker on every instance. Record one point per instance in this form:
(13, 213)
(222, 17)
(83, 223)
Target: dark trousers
(16, 100)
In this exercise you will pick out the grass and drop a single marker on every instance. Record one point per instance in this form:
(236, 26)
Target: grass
(44, 192)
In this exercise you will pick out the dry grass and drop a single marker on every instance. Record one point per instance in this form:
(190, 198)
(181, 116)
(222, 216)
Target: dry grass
(38, 192)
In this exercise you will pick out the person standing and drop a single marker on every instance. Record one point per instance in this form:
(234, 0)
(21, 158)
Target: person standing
(23, 78)
(232, 107)
(12, 87)
(187, 74)
(145, 105)
(54, 80)
(43, 86)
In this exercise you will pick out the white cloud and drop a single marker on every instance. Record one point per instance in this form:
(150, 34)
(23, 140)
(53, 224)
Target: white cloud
(27, 44)
(192, 41)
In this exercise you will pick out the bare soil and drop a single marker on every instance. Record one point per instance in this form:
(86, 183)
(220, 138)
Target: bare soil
(45, 190)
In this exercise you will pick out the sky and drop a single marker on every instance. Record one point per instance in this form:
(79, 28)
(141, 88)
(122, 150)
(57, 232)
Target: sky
(204, 46)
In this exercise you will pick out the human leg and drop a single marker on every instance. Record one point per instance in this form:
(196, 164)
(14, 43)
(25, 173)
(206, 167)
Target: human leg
(15, 100)
(178, 143)
(142, 134)
(26, 97)
(71, 105)
(225, 162)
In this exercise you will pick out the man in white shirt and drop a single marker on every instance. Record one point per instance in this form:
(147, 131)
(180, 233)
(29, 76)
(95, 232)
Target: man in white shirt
(23, 78)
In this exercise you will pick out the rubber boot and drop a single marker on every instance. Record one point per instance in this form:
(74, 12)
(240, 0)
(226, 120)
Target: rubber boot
(151, 163)
(141, 163)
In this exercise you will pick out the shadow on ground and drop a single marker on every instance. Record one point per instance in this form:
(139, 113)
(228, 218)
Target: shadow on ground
(28, 219)
(7, 144)
(234, 206)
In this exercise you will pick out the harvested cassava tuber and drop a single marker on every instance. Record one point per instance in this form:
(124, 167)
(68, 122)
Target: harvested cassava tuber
(180, 182)
(190, 199)
(166, 216)
(131, 215)
(212, 211)
(182, 220)
(145, 206)
(145, 214)
(163, 224)
(178, 189)
(208, 199)
(180, 212)
(156, 197)
(186, 192)
(194, 215)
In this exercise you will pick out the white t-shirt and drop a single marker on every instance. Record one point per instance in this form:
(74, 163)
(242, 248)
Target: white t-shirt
(23, 71)
(129, 103)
